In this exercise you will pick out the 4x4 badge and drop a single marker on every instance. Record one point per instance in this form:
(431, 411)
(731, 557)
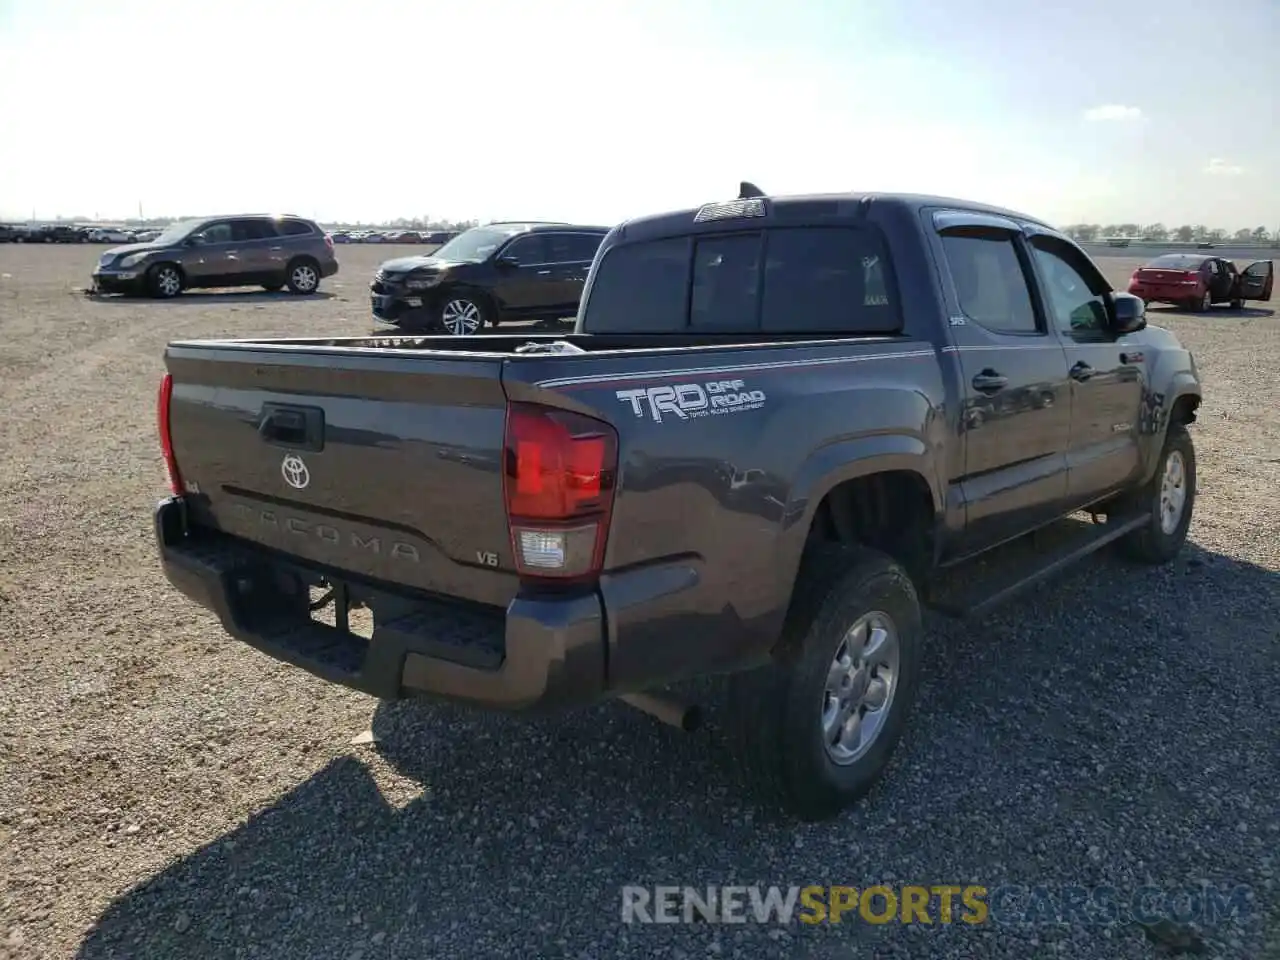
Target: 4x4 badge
(295, 472)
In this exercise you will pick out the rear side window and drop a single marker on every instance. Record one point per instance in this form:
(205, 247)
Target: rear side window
(253, 229)
(295, 228)
(806, 280)
(573, 247)
(640, 288)
(827, 279)
(990, 283)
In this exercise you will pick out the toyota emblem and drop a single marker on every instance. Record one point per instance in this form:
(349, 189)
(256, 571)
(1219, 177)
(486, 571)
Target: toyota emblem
(295, 472)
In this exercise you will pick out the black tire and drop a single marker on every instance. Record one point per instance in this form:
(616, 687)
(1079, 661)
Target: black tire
(452, 313)
(1152, 543)
(303, 276)
(776, 711)
(164, 281)
(273, 287)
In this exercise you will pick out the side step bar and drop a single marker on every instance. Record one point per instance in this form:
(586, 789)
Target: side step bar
(984, 597)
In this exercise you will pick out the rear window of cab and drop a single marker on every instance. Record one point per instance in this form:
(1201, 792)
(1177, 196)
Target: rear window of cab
(819, 280)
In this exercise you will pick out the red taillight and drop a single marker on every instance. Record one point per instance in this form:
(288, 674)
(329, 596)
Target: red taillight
(328, 240)
(558, 477)
(163, 401)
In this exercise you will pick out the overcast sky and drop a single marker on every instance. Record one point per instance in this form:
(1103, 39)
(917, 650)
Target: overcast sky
(595, 110)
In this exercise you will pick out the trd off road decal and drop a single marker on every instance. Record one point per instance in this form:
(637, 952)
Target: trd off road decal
(689, 401)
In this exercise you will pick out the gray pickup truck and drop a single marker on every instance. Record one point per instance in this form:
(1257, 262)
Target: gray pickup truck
(775, 426)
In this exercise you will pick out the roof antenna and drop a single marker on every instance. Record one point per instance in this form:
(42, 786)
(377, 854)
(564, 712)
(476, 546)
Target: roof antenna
(748, 191)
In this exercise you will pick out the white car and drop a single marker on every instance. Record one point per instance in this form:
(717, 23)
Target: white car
(109, 236)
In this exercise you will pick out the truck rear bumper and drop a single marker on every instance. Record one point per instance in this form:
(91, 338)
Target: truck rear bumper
(537, 653)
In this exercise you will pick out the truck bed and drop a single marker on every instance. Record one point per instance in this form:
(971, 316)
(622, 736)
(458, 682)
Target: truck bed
(402, 439)
(505, 345)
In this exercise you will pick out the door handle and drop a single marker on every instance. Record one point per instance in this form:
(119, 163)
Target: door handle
(276, 249)
(988, 381)
(544, 273)
(1082, 371)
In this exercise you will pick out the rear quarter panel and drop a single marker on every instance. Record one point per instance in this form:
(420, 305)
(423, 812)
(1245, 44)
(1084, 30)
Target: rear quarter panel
(715, 496)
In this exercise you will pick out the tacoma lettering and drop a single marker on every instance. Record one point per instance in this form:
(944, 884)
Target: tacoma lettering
(327, 533)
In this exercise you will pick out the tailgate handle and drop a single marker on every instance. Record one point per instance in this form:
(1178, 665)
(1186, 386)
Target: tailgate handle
(289, 426)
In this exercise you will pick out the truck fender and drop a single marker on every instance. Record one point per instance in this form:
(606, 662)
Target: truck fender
(1156, 411)
(833, 464)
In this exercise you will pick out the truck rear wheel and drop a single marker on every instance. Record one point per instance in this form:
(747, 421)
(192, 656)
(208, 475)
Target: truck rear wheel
(814, 730)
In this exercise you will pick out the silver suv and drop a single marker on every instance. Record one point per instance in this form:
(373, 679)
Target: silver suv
(238, 251)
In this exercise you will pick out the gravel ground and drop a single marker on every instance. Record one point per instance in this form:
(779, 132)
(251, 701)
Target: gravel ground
(167, 793)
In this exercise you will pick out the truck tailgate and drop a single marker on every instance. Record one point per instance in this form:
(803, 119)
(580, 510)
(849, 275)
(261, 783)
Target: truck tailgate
(386, 468)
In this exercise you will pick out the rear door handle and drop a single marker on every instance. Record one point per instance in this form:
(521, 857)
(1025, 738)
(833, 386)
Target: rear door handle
(544, 273)
(1082, 371)
(988, 381)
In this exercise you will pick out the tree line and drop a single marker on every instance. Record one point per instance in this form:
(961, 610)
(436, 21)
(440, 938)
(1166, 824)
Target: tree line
(1158, 232)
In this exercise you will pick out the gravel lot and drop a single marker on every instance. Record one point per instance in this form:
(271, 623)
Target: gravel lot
(166, 793)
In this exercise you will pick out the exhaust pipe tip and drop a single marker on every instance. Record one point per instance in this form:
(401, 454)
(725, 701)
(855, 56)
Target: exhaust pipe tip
(682, 716)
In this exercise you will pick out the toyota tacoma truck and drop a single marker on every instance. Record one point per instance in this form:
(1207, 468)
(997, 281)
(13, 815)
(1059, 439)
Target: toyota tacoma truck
(777, 424)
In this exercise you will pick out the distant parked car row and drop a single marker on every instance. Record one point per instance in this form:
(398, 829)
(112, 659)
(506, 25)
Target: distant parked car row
(393, 236)
(524, 270)
(71, 233)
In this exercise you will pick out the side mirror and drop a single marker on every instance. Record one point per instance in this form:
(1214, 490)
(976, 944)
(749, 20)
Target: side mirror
(508, 262)
(1128, 313)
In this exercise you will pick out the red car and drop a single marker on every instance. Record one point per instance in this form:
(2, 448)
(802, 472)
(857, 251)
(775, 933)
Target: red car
(1197, 282)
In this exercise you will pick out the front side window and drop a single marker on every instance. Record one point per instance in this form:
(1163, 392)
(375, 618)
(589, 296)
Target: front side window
(214, 233)
(528, 250)
(1076, 302)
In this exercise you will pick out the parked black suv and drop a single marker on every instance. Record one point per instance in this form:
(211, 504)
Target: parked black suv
(501, 271)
